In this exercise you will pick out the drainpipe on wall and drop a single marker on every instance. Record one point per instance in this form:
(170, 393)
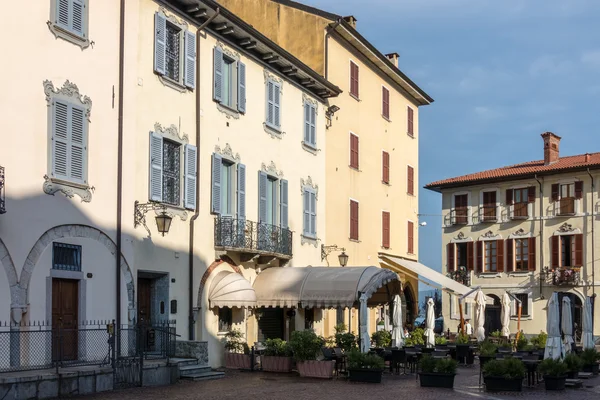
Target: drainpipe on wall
(197, 210)
(541, 234)
(593, 297)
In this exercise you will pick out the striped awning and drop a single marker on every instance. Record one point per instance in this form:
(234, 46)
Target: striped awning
(229, 289)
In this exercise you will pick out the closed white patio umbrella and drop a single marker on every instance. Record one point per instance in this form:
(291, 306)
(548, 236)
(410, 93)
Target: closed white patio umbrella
(554, 347)
(397, 331)
(566, 323)
(365, 340)
(587, 338)
(430, 323)
(505, 315)
(480, 300)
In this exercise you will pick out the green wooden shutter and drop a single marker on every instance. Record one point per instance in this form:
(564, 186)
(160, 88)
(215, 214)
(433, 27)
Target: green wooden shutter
(160, 39)
(241, 87)
(191, 173)
(218, 74)
(156, 179)
(189, 77)
(217, 163)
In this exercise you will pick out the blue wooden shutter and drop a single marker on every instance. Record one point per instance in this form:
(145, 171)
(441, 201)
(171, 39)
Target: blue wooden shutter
(77, 12)
(156, 150)
(313, 213)
(191, 173)
(241, 87)
(277, 105)
(77, 143)
(262, 196)
(218, 74)
(283, 203)
(160, 38)
(62, 13)
(241, 191)
(189, 77)
(60, 139)
(217, 163)
(270, 102)
(306, 212)
(307, 123)
(313, 126)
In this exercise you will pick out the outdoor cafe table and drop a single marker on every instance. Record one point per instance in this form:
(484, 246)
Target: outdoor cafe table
(531, 366)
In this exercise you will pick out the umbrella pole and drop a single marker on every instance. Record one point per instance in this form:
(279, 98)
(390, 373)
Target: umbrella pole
(519, 322)
(462, 319)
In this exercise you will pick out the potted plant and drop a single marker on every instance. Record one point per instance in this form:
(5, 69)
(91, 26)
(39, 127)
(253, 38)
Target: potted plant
(555, 373)
(590, 358)
(522, 343)
(364, 367)
(236, 351)
(306, 346)
(504, 375)
(416, 338)
(345, 341)
(487, 351)
(381, 338)
(438, 373)
(441, 341)
(277, 357)
(574, 365)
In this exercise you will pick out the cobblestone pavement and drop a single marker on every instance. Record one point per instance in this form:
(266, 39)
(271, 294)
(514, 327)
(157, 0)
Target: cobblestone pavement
(267, 386)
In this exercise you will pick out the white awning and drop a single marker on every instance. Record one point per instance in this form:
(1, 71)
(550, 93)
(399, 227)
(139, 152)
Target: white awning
(229, 289)
(426, 275)
(324, 287)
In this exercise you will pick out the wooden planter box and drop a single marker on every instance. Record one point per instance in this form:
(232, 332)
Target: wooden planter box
(593, 368)
(572, 375)
(555, 382)
(484, 359)
(276, 364)
(430, 379)
(365, 375)
(238, 361)
(316, 369)
(499, 384)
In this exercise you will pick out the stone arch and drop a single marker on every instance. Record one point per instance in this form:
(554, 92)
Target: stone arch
(410, 303)
(71, 231)
(11, 275)
(209, 271)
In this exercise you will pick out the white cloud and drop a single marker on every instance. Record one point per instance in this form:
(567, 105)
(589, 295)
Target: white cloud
(591, 58)
(548, 65)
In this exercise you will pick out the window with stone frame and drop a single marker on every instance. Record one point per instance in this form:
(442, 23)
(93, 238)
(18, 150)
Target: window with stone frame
(521, 254)
(225, 319)
(171, 172)
(172, 52)
(69, 21)
(491, 253)
(524, 298)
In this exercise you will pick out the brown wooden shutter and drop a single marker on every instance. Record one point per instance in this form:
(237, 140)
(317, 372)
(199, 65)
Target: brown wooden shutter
(510, 255)
(410, 180)
(410, 121)
(470, 255)
(578, 256)
(450, 249)
(385, 223)
(480, 256)
(411, 242)
(385, 98)
(353, 220)
(353, 79)
(555, 192)
(509, 197)
(500, 255)
(532, 261)
(354, 151)
(386, 167)
(555, 251)
(531, 194)
(578, 189)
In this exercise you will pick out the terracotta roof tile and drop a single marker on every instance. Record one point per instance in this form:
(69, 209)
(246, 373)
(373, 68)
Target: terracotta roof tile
(521, 170)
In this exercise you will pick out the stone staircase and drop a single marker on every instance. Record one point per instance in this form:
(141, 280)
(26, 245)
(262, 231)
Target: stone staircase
(190, 369)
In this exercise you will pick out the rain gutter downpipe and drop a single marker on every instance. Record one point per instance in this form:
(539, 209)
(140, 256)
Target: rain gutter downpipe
(541, 234)
(197, 210)
(593, 297)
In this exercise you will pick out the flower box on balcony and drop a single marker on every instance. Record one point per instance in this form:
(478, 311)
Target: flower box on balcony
(566, 276)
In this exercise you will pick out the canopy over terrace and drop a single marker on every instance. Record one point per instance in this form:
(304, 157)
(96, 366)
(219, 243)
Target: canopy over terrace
(428, 276)
(325, 287)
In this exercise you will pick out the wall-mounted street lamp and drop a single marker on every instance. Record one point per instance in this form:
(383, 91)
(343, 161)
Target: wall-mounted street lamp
(329, 113)
(342, 258)
(163, 220)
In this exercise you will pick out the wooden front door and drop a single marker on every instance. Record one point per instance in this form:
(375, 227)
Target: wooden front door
(144, 300)
(65, 307)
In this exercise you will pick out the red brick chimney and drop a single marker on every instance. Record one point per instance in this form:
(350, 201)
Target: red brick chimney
(551, 147)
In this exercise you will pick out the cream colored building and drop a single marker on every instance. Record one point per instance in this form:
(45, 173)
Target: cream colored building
(372, 137)
(528, 230)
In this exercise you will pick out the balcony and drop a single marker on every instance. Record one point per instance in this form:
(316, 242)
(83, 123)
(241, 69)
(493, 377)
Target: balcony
(487, 213)
(2, 201)
(566, 276)
(566, 206)
(458, 216)
(520, 211)
(461, 275)
(252, 238)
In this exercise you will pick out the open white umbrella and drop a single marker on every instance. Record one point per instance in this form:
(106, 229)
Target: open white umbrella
(480, 301)
(397, 331)
(587, 338)
(554, 347)
(365, 340)
(430, 323)
(505, 315)
(566, 322)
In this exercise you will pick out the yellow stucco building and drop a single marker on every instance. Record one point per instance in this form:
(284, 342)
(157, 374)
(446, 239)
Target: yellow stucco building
(372, 137)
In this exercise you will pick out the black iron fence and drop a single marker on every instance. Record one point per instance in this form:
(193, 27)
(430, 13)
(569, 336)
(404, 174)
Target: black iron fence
(2, 201)
(242, 234)
(41, 345)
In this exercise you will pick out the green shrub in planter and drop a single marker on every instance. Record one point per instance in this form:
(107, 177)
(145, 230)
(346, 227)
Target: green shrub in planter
(488, 349)
(539, 341)
(381, 338)
(441, 340)
(496, 334)
(234, 342)
(358, 360)
(555, 373)
(437, 372)
(346, 341)
(277, 348)
(306, 345)
(589, 356)
(574, 364)
(340, 328)
(416, 338)
(522, 343)
(462, 338)
(508, 368)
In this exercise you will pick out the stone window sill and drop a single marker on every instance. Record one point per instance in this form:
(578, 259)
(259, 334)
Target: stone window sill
(518, 274)
(354, 168)
(489, 275)
(274, 132)
(355, 97)
(410, 135)
(354, 240)
(69, 189)
(310, 148)
(172, 84)
(60, 32)
(386, 118)
(230, 112)
(310, 240)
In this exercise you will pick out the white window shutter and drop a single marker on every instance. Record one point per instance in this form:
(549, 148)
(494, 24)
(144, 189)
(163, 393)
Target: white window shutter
(156, 179)
(62, 13)
(313, 126)
(217, 163)
(307, 123)
(189, 76)
(60, 140)
(262, 196)
(77, 12)
(306, 213)
(241, 87)
(78, 149)
(270, 102)
(283, 202)
(218, 74)
(241, 192)
(313, 213)
(191, 174)
(277, 105)
(160, 47)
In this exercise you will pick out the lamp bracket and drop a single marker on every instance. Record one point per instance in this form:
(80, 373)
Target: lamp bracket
(140, 210)
(326, 250)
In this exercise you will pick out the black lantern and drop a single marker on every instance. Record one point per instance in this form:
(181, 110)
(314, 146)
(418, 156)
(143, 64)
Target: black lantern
(343, 257)
(163, 222)
(163, 219)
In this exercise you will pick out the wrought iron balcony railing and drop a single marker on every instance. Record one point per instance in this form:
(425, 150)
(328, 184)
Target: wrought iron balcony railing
(249, 236)
(566, 276)
(2, 201)
(458, 216)
(461, 275)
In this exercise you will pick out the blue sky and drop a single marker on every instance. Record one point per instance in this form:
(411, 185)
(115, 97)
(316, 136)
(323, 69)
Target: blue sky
(501, 73)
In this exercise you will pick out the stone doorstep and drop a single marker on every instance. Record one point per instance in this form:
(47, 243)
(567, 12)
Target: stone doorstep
(203, 376)
(181, 361)
(49, 374)
(574, 383)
